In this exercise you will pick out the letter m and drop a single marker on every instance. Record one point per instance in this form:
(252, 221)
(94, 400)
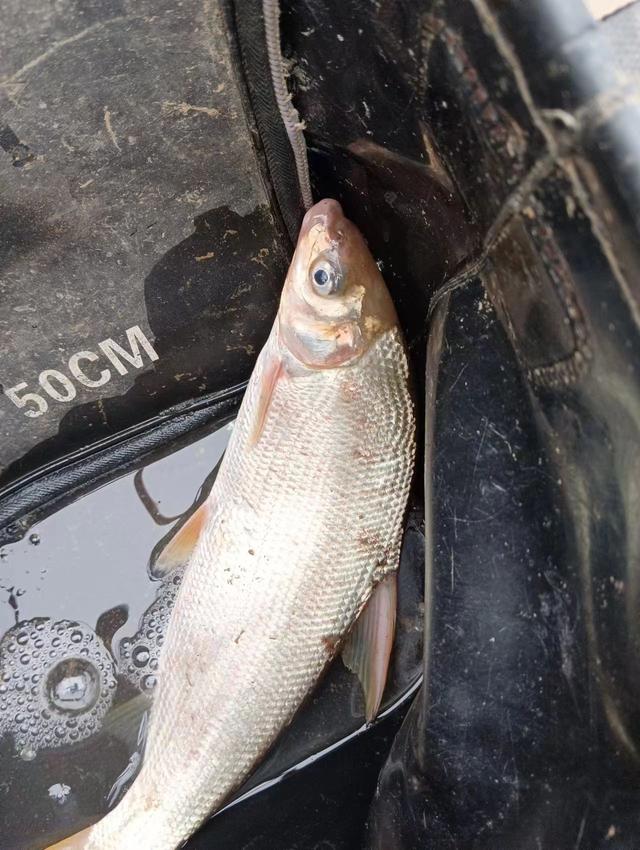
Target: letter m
(116, 353)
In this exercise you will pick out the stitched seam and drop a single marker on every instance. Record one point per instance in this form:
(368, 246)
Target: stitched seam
(573, 365)
(511, 207)
(569, 368)
(503, 138)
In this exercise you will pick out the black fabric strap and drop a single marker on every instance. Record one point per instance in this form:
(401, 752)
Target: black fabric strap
(44, 491)
(246, 23)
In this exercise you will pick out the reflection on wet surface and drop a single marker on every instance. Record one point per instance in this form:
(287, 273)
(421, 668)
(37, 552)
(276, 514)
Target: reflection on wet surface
(82, 624)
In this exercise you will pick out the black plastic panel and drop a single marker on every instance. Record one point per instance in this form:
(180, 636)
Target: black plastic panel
(131, 197)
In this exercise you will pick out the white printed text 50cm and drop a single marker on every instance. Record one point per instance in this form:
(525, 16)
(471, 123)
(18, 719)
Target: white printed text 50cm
(59, 387)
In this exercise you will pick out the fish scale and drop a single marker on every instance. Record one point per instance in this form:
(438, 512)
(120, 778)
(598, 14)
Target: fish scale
(288, 601)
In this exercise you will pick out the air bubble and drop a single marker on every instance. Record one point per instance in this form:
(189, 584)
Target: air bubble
(73, 685)
(34, 539)
(61, 685)
(141, 656)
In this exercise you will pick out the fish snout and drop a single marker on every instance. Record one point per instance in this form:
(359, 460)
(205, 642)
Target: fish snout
(328, 214)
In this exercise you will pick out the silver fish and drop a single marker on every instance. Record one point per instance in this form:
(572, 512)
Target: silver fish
(296, 547)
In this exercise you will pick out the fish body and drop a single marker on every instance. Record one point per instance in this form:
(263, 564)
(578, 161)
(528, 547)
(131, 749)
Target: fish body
(304, 520)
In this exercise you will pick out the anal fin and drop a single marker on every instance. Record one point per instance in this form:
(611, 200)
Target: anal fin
(368, 647)
(179, 548)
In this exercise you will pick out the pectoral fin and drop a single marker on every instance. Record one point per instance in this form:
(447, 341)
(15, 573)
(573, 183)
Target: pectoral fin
(74, 842)
(272, 371)
(368, 647)
(178, 550)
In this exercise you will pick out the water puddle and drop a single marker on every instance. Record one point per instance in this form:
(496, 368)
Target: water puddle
(81, 630)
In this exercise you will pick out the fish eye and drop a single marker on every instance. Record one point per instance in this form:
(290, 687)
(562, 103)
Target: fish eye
(326, 278)
(321, 277)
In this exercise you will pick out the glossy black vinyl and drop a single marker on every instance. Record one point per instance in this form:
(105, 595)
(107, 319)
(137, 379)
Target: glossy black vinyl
(526, 732)
(517, 739)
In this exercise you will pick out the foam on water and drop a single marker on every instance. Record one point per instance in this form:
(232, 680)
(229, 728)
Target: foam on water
(57, 682)
(139, 656)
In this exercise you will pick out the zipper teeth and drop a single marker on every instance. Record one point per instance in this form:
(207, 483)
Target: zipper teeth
(288, 112)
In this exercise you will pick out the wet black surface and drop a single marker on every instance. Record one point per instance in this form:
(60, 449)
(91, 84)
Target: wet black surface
(82, 573)
(85, 563)
(285, 815)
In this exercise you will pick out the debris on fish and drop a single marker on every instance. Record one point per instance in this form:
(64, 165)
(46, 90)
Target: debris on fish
(295, 550)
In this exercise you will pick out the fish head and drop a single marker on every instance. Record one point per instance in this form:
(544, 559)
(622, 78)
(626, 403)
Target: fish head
(335, 303)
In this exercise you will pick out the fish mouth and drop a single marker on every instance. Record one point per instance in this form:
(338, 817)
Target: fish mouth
(329, 216)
